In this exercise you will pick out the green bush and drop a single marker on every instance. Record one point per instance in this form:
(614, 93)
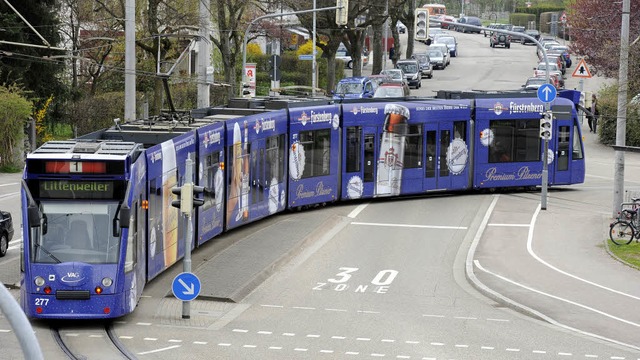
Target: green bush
(607, 122)
(520, 19)
(14, 111)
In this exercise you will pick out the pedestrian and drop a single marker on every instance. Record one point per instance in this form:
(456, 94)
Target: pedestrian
(593, 116)
(392, 53)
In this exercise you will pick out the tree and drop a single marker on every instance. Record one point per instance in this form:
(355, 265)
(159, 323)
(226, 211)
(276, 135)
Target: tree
(14, 111)
(595, 34)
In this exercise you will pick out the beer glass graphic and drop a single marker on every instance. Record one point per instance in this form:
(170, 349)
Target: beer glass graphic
(391, 155)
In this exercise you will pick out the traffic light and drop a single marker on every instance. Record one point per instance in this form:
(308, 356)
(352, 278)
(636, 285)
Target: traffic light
(197, 192)
(422, 24)
(342, 14)
(185, 198)
(546, 125)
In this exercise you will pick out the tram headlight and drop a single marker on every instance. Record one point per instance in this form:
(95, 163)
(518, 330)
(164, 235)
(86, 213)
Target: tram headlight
(39, 281)
(106, 282)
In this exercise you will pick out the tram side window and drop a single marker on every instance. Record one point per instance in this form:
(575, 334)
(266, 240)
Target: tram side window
(317, 152)
(275, 158)
(413, 148)
(460, 130)
(354, 149)
(515, 141)
(577, 144)
(212, 164)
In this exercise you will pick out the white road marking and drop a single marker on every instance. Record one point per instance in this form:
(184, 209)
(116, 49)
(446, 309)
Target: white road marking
(249, 346)
(512, 349)
(300, 349)
(591, 356)
(412, 226)
(368, 312)
(326, 351)
(388, 340)
(430, 315)
(158, 350)
(304, 308)
(72, 334)
(564, 354)
(313, 336)
(201, 343)
(510, 225)
(288, 334)
(437, 344)
(150, 339)
(533, 254)
(363, 339)
(175, 341)
(462, 346)
(412, 342)
(487, 347)
(9, 184)
(617, 358)
(265, 332)
(403, 357)
(143, 324)
(240, 330)
(377, 355)
(338, 337)
(503, 320)
(539, 352)
(126, 337)
(96, 336)
(272, 306)
(477, 263)
(351, 353)
(224, 344)
(357, 210)
(465, 318)
(275, 347)
(340, 310)
(4, 331)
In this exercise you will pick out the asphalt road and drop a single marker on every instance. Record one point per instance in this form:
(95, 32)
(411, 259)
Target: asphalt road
(392, 283)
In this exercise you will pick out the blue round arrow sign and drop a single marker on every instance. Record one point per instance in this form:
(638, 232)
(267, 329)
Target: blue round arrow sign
(186, 286)
(547, 93)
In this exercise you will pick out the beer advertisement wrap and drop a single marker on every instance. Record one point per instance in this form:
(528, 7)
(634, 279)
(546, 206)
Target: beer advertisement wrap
(390, 161)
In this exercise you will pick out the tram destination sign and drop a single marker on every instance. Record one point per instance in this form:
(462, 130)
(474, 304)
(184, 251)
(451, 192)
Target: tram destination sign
(65, 189)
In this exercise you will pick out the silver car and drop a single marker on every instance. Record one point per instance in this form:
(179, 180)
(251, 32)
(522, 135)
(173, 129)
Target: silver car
(425, 64)
(437, 58)
(445, 50)
(451, 43)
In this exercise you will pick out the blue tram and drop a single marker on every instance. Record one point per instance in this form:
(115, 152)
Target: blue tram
(97, 209)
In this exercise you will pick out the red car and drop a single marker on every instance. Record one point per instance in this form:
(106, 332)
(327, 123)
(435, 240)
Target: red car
(392, 89)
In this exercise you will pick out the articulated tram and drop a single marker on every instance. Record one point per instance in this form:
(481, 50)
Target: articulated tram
(97, 214)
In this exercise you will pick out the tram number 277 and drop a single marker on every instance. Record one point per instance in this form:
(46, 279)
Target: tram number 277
(340, 282)
(41, 302)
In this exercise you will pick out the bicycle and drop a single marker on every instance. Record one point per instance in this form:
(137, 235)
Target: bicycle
(627, 225)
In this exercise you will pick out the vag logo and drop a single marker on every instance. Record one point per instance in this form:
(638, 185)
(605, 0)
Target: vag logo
(72, 277)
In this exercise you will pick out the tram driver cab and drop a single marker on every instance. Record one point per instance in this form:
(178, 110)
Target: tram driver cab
(78, 237)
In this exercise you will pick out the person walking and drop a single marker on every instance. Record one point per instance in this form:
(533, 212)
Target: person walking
(593, 117)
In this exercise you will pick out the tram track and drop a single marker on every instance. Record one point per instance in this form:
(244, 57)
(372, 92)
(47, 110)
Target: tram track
(113, 348)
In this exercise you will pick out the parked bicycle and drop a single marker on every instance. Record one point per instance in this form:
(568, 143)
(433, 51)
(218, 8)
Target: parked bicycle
(627, 225)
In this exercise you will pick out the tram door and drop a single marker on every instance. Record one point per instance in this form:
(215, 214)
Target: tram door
(371, 146)
(257, 180)
(561, 141)
(437, 175)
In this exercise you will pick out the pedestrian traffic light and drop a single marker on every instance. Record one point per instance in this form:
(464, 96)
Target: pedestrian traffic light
(422, 24)
(546, 125)
(342, 13)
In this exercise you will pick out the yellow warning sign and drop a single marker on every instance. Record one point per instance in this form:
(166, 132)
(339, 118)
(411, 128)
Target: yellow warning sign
(582, 71)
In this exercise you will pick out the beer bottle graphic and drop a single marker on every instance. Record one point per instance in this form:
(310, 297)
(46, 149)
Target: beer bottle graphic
(391, 155)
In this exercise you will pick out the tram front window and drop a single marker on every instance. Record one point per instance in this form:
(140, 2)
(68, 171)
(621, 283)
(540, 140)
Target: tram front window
(76, 231)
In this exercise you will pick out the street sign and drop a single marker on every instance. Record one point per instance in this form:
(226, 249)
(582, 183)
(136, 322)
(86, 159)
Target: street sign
(582, 71)
(186, 286)
(563, 18)
(305, 57)
(547, 93)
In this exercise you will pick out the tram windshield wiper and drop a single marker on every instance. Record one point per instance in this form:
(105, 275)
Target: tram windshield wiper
(43, 249)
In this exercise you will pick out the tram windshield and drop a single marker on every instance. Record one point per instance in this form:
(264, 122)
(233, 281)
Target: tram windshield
(76, 231)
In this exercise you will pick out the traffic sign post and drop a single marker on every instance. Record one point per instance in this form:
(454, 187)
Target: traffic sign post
(581, 71)
(546, 93)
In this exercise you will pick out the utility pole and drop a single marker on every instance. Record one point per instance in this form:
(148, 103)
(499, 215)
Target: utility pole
(204, 56)
(130, 60)
(621, 124)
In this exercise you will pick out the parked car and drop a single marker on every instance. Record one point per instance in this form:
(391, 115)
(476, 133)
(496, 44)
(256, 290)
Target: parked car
(565, 53)
(437, 58)
(445, 50)
(425, 64)
(533, 33)
(533, 83)
(500, 39)
(447, 18)
(558, 58)
(401, 28)
(343, 54)
(395, 74)
(451, 43)
(6, 231)
(392, 89)
(355, 87)
(541, 70)
(411, 70)
(518, 29)
(468, 20)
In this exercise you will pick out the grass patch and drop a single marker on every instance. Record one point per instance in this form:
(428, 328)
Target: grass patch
(10, 169)
(627, 253)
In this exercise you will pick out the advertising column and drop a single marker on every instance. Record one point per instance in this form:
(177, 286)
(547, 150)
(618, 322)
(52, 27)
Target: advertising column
(250, 75)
